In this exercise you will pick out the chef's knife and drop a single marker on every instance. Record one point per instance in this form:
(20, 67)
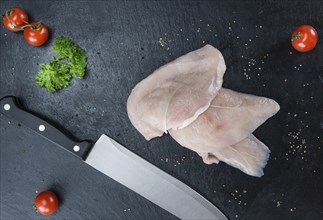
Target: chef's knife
(125, 167)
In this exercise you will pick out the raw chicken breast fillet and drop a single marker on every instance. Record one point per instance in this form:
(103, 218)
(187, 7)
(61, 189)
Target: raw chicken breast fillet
(185, 98)
(174, 95)
(223, 132)
(249, 155)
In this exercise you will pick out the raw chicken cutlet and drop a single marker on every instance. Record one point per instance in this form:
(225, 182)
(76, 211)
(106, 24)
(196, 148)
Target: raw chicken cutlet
(177, 93)
(223, 131)
(185, 98)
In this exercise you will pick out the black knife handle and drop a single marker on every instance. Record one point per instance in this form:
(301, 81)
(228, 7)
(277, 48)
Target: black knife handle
(10, 107)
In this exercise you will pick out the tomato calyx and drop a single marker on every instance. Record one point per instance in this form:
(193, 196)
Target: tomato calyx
(35, 26)
(7, 13)
(36, 210)
(297, 36)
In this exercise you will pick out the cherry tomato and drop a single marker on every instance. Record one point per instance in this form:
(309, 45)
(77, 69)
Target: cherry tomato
(46, 203)
(304, 38)
(14, 18)
(36, 34)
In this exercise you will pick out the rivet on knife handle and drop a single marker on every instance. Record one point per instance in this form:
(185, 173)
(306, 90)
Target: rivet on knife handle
(10, 107)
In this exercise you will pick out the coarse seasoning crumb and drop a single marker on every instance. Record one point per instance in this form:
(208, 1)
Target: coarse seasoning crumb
(278, 203)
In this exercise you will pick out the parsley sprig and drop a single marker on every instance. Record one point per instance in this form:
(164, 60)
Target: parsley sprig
(58, 73)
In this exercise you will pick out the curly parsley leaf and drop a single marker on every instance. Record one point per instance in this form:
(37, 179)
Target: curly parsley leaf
(53, 76)
(76, 56)
(58, 73)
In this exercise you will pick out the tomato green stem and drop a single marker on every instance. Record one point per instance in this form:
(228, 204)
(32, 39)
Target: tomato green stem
(21, 28)
(8, 12)
(297, 36)
(32, 26)
(36, 210)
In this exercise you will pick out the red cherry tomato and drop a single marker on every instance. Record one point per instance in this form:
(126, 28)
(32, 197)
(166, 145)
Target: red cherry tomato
(36, 34)
(14, 18)
(304, 38)
(46, 203)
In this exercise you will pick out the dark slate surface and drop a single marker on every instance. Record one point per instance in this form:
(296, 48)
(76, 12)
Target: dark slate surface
(125, 41)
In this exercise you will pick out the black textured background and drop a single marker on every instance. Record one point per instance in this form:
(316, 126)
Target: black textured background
(125, 41)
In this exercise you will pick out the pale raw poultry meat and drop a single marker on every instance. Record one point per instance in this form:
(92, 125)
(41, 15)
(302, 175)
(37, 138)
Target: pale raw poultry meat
(185, 98)
(223, 131)
(175, 94)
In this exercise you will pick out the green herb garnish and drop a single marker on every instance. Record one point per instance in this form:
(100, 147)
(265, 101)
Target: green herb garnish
(58, 73)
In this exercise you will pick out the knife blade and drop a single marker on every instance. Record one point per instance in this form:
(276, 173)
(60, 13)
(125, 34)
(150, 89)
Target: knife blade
(122, 165)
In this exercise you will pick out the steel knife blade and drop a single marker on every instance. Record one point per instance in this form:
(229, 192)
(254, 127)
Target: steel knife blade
(122, 165)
